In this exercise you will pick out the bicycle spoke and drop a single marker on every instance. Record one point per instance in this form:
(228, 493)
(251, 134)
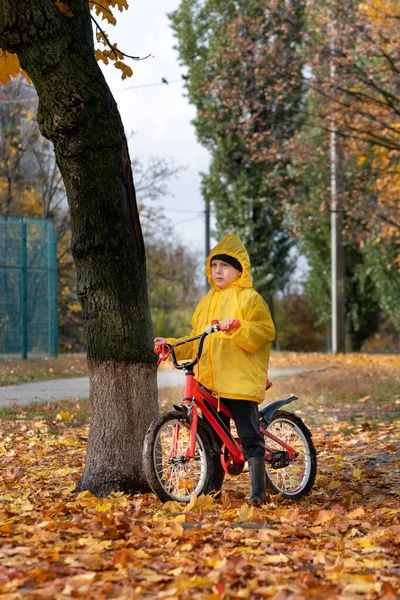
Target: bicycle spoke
(293, 477)
(180, 478)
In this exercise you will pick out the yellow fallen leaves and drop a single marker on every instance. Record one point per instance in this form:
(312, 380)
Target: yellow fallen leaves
(245, 513)
(361, 584)
(64, 415)
(93, 544)
(275, 559)
(341, 541)
(196, 504)
(201, 503)
(318, 360)
(356, 513)
(334, 485)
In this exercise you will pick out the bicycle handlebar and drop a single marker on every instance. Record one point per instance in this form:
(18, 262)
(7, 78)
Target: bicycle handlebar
(169, 349)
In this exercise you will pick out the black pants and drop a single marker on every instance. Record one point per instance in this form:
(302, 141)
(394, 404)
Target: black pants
(245, 415)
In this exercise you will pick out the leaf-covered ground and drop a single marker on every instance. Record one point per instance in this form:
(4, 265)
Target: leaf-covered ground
(341, 541)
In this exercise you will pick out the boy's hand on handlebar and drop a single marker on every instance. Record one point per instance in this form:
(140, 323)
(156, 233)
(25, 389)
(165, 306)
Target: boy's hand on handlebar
(228, 324)
(158, 342)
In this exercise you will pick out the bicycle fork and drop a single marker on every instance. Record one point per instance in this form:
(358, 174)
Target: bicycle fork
(190, 452)
(232, 446)
(192, 413)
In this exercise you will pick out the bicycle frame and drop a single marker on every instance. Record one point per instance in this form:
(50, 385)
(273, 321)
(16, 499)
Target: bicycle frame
(195, 397)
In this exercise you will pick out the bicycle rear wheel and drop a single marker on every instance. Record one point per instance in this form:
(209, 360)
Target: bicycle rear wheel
(169, 474)
(297, 478)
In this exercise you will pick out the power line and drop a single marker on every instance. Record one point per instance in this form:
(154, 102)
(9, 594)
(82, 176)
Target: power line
(187, 221)
(177, 210)
(162, 82)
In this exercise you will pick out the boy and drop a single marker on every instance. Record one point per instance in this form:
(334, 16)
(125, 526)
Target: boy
(234, 362)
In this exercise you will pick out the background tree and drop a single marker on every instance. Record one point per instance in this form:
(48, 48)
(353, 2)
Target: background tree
(298, 326)
(244, 79)
(79, 115)
(31, 185)
(18, 138)
(372, 287)
(260, 77)
(36, 189)
(172, 270)
(361, 41)
(173, 273)
(174, 277)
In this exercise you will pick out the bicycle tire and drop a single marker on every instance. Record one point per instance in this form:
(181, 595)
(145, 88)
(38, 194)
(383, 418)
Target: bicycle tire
(170, 477)
(295, 480)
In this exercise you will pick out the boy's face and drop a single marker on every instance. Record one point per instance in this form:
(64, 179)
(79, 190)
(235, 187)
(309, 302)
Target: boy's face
(223, 274)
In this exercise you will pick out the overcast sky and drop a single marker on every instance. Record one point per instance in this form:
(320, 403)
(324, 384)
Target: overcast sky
(160, 115)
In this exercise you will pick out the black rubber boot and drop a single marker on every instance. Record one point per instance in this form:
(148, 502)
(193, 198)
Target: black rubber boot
(257, 478)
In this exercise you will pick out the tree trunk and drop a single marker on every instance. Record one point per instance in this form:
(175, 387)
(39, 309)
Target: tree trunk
(79, 115)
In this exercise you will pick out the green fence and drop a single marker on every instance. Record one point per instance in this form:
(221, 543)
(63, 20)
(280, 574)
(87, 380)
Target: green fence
(28, 286)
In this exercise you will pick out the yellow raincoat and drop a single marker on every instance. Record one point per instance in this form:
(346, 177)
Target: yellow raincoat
(234, 364)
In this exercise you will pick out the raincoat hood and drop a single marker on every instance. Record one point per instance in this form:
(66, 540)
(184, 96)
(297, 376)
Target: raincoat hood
(232, 246)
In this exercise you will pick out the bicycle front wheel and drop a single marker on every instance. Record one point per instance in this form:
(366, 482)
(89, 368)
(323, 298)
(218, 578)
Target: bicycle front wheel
(297, 478)
(170, 475)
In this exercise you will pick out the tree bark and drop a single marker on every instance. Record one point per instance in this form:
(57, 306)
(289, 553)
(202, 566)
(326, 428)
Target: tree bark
(79, 115)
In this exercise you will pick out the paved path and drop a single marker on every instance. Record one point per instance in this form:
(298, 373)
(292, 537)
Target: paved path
(63, 389)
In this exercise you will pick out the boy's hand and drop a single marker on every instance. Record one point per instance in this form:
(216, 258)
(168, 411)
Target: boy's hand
(158, 342)
(228, 324)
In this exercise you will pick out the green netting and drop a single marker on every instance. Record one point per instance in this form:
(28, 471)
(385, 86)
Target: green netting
(28, 286)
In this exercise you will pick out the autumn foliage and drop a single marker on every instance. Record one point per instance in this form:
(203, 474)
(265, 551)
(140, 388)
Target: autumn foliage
(256, 81)
(342, 541)
(106, 51)
(351, 49)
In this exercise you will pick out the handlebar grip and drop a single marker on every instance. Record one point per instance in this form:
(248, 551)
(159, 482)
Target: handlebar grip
(215, 326)
(163, 351)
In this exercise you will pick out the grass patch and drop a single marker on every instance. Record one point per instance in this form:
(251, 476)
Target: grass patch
(347, 431)
(18, 370)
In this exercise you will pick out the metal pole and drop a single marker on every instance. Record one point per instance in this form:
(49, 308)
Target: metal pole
(333, 218)
(207, 232)
(207, 214)
(337, 258)
(24, 292)
(52, 305)
(55, 295)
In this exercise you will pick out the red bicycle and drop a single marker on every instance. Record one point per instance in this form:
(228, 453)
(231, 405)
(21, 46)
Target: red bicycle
(185, 453)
